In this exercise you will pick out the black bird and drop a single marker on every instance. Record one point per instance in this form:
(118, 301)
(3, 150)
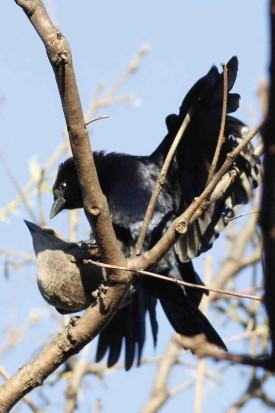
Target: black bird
(128, 181)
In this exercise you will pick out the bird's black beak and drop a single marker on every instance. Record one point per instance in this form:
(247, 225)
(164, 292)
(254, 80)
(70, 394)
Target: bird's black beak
(58, 205)
(32, 227)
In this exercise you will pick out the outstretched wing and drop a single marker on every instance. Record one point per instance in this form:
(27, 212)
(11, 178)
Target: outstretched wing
(195, 153)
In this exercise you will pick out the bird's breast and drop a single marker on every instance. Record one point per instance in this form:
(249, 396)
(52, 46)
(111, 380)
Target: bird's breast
(63, 283)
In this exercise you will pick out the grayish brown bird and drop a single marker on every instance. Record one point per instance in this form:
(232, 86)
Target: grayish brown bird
(71, 285)
(62, 277)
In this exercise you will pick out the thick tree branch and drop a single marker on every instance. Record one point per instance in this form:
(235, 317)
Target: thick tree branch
(59, 54)
(69, 340)
(72, 339)
(268, 199)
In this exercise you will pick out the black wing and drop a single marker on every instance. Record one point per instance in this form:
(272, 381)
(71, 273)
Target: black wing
(195, 153)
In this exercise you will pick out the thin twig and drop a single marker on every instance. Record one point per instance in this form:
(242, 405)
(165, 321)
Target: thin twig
(108, 99)
(14, 253)
(223, 120)
(173, 280)
(181, 387)
(199, 346)
(75, 379)
(236, 260)
(242, 215)
(160, 392)
(160, 182)
(17, 186)
(95, 119)
(10, 207)
(201, 365)
(260, 331)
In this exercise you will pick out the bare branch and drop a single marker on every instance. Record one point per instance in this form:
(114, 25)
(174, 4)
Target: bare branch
(161, 181)
(242, 215)
(95, 119)
(235, 260)
(160, 392)
(17, 186)
(172, 280)
(268, 199)
(199, 346)
(4, 212)
(75, 380)
(223, 120)
(73, 338)
(201, 365)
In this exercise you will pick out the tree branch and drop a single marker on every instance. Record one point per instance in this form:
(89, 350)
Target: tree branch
(268, 199)
(160, 392)
(73, 338)
(174, 280)
(161, 181)
(199, 346)
(223, 120)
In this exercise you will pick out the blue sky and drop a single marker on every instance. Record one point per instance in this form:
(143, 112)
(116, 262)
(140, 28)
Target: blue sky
(185, 39)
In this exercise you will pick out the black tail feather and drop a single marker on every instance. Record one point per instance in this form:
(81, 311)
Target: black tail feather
(128, 326)
(182, 311)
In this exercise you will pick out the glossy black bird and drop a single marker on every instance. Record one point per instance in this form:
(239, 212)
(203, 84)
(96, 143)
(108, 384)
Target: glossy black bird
(128, 181)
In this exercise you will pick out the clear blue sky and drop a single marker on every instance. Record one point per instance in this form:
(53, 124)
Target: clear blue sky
(185, 39)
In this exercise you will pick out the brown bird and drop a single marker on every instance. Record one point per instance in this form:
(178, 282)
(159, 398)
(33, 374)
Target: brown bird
(71, 285)
(62, 277)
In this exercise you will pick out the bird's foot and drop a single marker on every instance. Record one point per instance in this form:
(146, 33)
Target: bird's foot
(91, 246)
(72, 323)
(73, 320)
(100, 293)
(90, 243)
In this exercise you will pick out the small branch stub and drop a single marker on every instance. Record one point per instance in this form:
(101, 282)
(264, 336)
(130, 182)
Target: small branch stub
(181, 227)
(95, 211)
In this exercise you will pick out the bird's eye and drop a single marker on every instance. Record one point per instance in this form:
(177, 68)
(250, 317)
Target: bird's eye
(62, 186)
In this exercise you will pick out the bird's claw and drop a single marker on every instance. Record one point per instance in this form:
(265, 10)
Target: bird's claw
(100, 293)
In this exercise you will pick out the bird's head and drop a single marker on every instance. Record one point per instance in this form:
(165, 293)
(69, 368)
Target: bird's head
(66, 189)
(45, 238)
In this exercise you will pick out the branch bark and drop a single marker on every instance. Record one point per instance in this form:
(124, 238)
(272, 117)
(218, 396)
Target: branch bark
(268, 199)
(73, 338)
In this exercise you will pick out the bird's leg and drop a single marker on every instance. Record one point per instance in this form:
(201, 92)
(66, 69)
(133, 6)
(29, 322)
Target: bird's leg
(73, 320)
(91, 246)
(72, 323)
(100, 293)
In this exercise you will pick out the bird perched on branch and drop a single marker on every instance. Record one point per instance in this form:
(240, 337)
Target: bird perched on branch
(70, 284)
(128, 181)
